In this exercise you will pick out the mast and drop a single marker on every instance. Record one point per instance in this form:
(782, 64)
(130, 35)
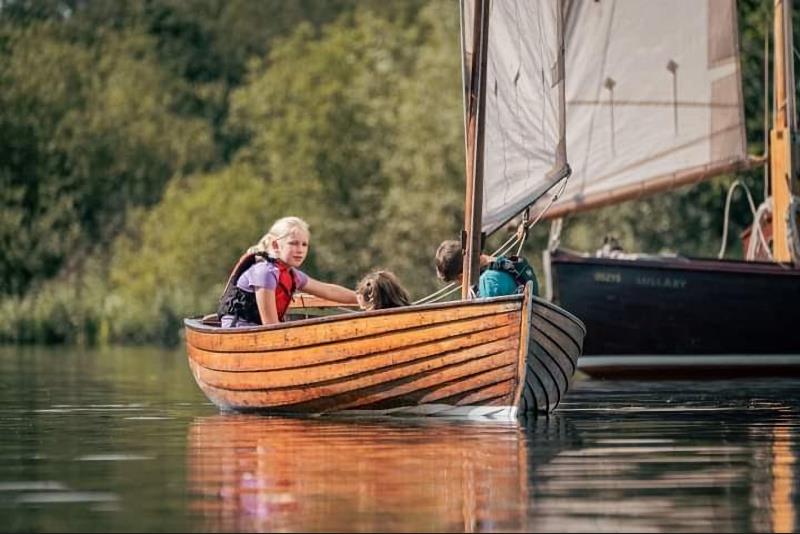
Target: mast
(471, 239)
(782, 165)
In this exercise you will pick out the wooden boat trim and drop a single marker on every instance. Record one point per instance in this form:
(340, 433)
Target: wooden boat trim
(473, 369)
(524, 336)
(353, 368)
(296, 359)
(305, 300)
(358, 328)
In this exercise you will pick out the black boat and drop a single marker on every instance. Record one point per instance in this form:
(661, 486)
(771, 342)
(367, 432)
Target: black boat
(665, 316)
(640, 124)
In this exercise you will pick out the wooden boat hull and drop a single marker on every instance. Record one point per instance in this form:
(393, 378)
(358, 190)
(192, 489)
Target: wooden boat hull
(506, 353)
(681, 317)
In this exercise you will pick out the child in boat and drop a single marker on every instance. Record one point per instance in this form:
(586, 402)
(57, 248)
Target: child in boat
(380, 290)
(499, 275)
(262, 284)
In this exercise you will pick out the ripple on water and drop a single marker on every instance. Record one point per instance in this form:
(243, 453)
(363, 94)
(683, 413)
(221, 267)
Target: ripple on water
(112, 457)
(32, 485)
(66, 497)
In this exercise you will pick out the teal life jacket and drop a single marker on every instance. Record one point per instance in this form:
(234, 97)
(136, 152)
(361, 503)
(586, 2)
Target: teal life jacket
(519, 269)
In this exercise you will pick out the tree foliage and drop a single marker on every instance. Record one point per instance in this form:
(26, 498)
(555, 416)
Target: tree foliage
(144, 145)
(321, 134)
(87, 132)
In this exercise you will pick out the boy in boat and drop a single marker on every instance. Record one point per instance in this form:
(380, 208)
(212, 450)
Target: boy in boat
(499, 275)
(380, 290)
(264, 280)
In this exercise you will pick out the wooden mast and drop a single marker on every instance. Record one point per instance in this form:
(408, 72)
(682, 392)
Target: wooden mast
(475, 141)
(782, 166)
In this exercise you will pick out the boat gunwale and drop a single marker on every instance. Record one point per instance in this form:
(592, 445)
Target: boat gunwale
(193, 323)
(682, 263)
(557, 309)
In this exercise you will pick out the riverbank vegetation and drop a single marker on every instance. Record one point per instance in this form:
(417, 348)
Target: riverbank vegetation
(146, 144)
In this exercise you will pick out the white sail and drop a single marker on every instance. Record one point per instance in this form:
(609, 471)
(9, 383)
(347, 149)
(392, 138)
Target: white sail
(653, 97)
(524, 149)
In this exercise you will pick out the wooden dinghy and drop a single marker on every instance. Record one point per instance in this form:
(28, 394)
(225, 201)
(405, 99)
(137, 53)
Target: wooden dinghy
(494, 356)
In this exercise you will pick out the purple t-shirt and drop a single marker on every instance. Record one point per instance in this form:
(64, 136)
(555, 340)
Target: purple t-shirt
(264, 274)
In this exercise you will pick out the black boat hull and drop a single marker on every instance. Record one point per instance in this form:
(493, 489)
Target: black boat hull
(681, 316)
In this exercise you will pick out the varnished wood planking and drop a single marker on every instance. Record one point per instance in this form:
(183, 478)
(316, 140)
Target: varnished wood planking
(391, 385)
(570, 325)
(342, 369)
(500, 391)
(313, 385)
(525, 332)
(305, 300)
(504, 351)
(557, 352)
(470, 376)
(465, 331)
(467, 385)
(351, 326)
(554, 373)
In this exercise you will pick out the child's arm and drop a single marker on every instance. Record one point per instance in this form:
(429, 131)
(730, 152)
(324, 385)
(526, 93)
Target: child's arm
(267, 309)
(330, 291)
(485, 260)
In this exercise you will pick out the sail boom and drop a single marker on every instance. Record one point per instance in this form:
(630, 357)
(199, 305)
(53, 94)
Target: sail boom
(652, 186)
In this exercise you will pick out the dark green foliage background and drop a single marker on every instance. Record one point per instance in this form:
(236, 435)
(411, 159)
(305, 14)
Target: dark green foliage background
(144, 144)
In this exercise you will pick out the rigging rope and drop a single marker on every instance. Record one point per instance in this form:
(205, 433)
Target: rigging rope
(519, 238)
(791, 228)
(766, 205)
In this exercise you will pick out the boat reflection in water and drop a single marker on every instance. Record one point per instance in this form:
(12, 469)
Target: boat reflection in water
(605, 463)
(265, 473)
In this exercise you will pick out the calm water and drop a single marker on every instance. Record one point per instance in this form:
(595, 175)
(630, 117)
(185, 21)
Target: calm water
(123, 441)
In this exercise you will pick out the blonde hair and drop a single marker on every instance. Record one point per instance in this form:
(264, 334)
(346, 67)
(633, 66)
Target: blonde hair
(281, 229)
(382, 289)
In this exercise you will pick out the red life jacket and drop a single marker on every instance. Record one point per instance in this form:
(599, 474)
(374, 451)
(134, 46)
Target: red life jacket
(242, 304)
(285, 289)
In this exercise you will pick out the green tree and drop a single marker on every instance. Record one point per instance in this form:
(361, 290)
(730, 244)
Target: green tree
(173, 260)
(87, 132)
(320, 118)
(424, 203)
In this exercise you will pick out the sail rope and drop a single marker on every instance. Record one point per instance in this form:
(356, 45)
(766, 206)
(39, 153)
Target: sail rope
(766, 205)
(791, 226)
(518, 238)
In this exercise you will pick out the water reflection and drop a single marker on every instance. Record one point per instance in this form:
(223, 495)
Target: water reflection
(122, 440)
(584, 470)
(256, 473)
(783, 461)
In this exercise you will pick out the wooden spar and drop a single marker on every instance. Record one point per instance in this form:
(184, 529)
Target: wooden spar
(782, 173)
(651, 186)
(475, 141)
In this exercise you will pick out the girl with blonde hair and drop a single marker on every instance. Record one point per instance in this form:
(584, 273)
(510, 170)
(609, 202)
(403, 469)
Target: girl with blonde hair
(264, 280)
